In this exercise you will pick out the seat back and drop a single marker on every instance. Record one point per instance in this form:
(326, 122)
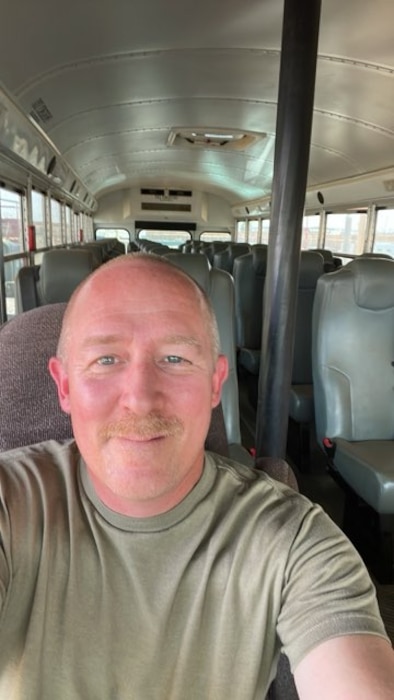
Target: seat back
(249, 278)
(29, 407)
(310, 270)
(54, 281)
(331, 262)
(224, 259)
(219, 287)
(353, 351)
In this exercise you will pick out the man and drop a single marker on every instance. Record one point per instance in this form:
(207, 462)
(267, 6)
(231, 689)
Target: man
(133, 565)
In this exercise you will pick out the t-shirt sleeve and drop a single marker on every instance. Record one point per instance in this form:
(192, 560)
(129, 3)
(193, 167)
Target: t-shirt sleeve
(327, 590)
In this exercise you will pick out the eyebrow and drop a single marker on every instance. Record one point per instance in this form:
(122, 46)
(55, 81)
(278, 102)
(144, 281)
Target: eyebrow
(178, 339)
(93, 340)
(173, 339)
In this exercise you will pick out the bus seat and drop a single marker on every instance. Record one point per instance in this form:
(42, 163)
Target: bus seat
(376, 255)
(214, 247)
(224, 259)
(331, 262)
(353, 374)
(301, 403)
(249, 278)
(219, 286)
(60, 272)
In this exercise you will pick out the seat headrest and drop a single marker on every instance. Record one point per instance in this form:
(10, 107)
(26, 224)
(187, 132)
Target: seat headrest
(197, 266)
(260, 256)
(29, 408)
(61, 271)
(373, 282)
(311, 268)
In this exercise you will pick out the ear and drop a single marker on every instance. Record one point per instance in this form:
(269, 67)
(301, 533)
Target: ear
(60, 377)
(218, 378)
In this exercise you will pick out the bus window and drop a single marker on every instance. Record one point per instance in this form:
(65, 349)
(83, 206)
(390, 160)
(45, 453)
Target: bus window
(209, 236)
(12, 232)
(121, 234)
(345, 233)
(384, 232)
(171, 238)
(240, 231)
(11, 221)
(253, 231)
(56, 223)
(310, 231)
(39, 218)
(265, 230)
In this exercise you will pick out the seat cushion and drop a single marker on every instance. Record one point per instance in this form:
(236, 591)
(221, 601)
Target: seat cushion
(368, 467)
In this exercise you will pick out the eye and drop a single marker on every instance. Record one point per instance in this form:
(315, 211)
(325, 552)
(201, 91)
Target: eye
(106, 360)
(174, 359)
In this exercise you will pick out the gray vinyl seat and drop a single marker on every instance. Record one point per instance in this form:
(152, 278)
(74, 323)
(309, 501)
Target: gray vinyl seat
(301, 407)
(353, 375)
(53, 281)
(219, 286)
(224, 259)
(331, 262)
(249, 273)
(249, 279)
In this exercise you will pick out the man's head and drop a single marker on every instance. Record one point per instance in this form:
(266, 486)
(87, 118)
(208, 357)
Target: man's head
(138, 368)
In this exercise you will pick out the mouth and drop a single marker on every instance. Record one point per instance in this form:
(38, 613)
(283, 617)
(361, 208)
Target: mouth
(138, 439)
(149, 430)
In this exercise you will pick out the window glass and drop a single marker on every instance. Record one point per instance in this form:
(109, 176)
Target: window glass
(68, 217)
(240, 231)
(265, 230)
(384, 232)
(171, 238)
(215, 236)
(88, 228)
(38, 218)
(345, 233)
(121, 234)
(11, 221)
(253, 231)
(76, 227)
(11, 268)
(56, 220)
(310, 231)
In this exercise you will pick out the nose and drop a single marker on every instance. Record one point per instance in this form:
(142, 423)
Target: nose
(141, 391)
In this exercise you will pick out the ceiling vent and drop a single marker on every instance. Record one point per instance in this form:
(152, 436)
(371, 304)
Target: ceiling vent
(40, 112)
(204, 137)
(164, 194)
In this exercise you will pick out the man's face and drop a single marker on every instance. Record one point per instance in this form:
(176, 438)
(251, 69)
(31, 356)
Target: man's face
(139, 381)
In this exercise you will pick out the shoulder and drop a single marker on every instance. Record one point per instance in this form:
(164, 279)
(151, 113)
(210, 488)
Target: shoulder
(37, 466)
(262, 506)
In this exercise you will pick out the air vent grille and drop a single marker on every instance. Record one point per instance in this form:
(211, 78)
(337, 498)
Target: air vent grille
(40, 111)
(205, 137)
(162, 206)
(161, 192)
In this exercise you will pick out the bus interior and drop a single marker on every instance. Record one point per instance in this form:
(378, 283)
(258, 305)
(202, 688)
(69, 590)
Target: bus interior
(257, 138)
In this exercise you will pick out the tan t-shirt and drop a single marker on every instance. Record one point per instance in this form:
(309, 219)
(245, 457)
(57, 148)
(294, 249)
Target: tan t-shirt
(193, 604)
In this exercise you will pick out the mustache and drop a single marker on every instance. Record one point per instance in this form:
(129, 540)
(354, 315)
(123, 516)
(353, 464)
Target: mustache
(145, 427)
